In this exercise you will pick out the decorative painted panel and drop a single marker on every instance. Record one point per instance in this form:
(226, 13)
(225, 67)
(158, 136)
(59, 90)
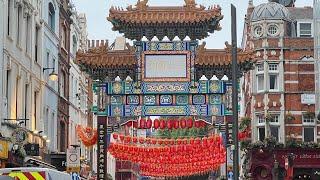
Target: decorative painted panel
(129, 88)
(182, 99)
(198, 110)
(149, 100)
(199, 99)
(165, 110)
(188, 110)
(133, 100)
(166, 100)
(117, 88)
(215, 99)
(116, 100)
(133, 111)
(203, 86)
(166, 46)
(216, 87)
(161, 88)
(216, 110)
(116, 110)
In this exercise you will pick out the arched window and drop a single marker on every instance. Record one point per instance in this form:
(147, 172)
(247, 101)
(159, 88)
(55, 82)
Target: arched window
(51, 16)
(74, 44)
(62, 137)
(62, 84)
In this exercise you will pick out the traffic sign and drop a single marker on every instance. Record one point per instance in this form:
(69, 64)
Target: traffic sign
(73, 160)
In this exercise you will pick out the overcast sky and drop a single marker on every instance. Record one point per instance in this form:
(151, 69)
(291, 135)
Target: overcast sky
(99, 28)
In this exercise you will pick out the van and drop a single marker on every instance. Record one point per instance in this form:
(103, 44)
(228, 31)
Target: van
(32, 173)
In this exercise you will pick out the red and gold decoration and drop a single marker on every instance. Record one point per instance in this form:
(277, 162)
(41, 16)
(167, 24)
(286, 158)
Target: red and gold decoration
(169, 157)
(88, 135)
(147, 123)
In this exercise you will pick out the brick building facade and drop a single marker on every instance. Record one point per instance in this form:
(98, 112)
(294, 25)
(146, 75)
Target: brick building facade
(64, 66)
(279, 93)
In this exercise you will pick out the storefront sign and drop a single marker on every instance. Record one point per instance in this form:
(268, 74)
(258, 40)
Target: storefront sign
(308, 98)
(32, 149)
(4, 149)
(19, 136)
(59, 161)
(304, 157)
(102, 146)
(73, 160)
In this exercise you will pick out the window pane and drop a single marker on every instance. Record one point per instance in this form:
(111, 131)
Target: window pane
(273, 82)
(275, 132)
(305, 26)
(308, 134)
(260, 82)
(260, 119)
(308, 119)
(273, 67)
(305, 29)
(261, 132)
(260, 67)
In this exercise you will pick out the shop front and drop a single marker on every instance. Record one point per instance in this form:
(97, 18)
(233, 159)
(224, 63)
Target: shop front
(266, 164)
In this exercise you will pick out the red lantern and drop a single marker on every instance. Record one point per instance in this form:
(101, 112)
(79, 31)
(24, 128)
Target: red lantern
(142, 123)
(149, 124)
(141, 140)
(183, 123)
(121, 137)
(176, 124)
(197, 124)
(156, 123)
(189, 123)
(134, 139)
(115, 135)
(162, 124)
(154, 141)
(169, 124)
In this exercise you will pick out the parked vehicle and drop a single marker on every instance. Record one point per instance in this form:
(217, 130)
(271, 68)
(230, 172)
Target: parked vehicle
(33, 173)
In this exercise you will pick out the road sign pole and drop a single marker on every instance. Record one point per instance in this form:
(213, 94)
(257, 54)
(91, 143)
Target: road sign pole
(235, 92)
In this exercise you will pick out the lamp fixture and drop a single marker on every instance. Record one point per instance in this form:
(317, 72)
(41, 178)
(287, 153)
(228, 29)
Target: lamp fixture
(53, 76)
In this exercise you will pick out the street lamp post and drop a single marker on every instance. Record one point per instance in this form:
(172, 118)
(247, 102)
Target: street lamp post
(53, 75)
(235, 92)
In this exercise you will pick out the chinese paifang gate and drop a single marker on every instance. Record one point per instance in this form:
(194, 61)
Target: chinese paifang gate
(165, 74)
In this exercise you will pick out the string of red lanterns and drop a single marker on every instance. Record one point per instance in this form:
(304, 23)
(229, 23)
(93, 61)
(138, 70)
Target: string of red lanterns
(170, 158)
(166, 123)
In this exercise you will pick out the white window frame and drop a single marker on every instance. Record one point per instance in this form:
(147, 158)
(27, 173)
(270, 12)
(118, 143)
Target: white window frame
(260, 120)
(306, 123)
(299, 31)
(260, 72)
(258, 127)
(314, 133)
(255, 31)
(276, 28)
(273, 72)
(275, 123)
